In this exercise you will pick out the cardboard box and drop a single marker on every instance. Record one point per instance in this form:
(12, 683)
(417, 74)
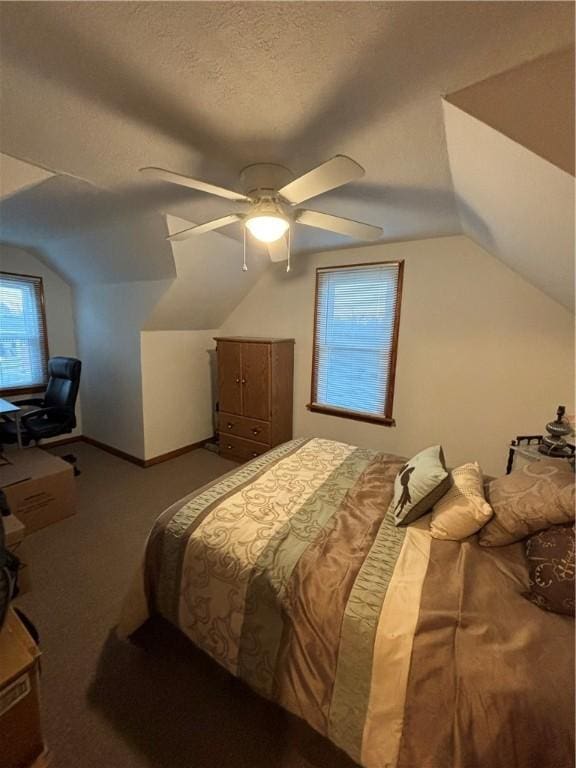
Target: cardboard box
(40, 488)
(21, 740)
(15, 532)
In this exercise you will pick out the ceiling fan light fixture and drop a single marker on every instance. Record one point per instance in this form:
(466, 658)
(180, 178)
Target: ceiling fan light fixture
(267, 228)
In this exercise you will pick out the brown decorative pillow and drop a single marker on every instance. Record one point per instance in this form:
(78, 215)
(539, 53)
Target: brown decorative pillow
(462, 510)
(529, 500)
(551, 564)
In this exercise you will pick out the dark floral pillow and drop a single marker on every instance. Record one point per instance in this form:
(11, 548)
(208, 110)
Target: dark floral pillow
(551, 565)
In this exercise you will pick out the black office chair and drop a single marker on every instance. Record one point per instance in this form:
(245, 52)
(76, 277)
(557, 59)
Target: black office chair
(54, 414)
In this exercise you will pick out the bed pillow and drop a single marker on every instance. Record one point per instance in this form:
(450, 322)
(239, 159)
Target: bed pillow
(463, 510)
(419, 484)
(531, 499)
(550, 556)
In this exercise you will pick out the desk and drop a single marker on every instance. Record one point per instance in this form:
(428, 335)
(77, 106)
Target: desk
(7, 407)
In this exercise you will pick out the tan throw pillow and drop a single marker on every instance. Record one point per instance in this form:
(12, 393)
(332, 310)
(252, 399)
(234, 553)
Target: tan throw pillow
(529, 500)
(463, 510)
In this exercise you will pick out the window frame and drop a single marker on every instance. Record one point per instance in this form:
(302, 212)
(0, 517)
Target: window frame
(387, 419)
(29, 390)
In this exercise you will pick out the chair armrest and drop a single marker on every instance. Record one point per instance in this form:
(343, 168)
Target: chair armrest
(30, 401)
(66, 415)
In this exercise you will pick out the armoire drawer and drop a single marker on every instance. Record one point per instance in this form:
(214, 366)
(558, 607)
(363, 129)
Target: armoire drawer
(236, 448)
(241, 426)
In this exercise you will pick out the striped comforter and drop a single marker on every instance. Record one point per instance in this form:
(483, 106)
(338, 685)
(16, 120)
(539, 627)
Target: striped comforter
(405, 651)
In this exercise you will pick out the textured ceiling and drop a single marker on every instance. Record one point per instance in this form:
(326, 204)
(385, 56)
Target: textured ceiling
(98, 90)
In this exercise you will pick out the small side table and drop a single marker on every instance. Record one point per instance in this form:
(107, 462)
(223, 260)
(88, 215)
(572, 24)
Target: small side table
(527, 446)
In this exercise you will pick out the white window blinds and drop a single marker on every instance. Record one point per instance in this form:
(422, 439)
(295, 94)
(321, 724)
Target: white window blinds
(356, 331)
(23, 342)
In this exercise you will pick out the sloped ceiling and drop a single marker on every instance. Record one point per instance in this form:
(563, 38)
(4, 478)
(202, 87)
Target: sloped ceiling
(81, 232)
(94, 237)
(210, 282)
(16, 176)
(98, 90)
(510, 142)
(527, 203)
(532, 104)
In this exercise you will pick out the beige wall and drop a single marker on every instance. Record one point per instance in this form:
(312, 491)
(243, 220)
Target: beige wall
(109, 319)
(58, 300)
(176, 389)
(483, 355)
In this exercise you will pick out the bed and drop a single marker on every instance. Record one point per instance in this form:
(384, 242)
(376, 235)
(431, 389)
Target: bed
(404, 650)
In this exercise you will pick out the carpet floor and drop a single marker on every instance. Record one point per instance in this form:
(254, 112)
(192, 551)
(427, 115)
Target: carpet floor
(157, 702)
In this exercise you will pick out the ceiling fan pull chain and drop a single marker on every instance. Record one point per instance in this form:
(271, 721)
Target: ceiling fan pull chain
(244, 266)
(289, 247)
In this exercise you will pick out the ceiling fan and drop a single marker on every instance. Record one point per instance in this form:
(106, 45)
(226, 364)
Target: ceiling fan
(270, 193)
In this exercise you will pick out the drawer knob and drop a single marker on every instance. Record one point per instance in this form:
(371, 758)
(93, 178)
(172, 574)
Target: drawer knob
(243, 381)
(237, 379)
(255, 431)
(254, 453)
(229, 447)
(229, 425)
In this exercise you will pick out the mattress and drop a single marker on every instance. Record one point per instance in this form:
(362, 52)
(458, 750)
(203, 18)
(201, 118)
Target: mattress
(403, 650)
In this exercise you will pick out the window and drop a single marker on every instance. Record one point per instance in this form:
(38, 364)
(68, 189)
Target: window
(355, 340)
(23, 341)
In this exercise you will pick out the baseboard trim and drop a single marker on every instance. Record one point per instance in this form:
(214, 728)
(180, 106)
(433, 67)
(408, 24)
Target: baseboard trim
(63, 441)
(114, 451)
(174, 454)
(143, 463)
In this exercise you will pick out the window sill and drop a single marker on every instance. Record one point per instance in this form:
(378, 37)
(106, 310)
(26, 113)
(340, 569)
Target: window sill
(15, 391)
(384, 421)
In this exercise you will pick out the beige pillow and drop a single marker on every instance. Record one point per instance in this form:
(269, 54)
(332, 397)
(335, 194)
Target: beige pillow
(531, 499)
(463, 510)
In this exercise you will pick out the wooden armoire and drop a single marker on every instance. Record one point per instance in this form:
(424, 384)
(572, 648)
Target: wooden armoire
(255, 382)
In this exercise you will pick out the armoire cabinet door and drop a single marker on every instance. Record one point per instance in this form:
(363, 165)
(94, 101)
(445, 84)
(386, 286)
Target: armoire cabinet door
(230, 376)
(256, 381)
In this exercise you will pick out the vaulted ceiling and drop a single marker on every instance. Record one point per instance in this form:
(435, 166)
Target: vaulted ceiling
(97, 90)
(510, 142)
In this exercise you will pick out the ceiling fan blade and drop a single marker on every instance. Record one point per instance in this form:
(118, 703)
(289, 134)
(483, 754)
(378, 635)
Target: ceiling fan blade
(208, 226)
(186, 181)
(331, 174)
(338, 224)
(278, 250)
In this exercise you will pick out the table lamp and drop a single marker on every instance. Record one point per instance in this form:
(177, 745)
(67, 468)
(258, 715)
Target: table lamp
(554, 444)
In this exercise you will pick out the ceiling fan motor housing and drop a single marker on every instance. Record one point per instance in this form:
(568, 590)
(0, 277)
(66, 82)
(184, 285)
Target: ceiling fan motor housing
(264, 179)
